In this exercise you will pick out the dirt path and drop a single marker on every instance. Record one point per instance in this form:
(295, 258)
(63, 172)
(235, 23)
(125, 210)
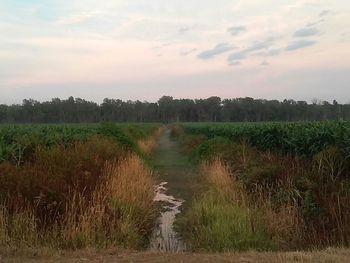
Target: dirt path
(174, 167)
(326, 256)
(177, 185)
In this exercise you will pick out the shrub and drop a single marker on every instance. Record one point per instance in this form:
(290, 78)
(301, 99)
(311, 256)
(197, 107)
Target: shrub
(89, 194)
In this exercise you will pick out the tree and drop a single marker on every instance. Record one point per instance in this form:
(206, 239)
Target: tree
(168, 109)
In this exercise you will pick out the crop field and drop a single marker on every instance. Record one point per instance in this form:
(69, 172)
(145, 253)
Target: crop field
(247, 186)
(269, 185)
(175, 131)
(17, 142)
(295, 138)
(73, 186)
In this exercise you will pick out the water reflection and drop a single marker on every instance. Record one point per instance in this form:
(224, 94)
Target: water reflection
(164, 236)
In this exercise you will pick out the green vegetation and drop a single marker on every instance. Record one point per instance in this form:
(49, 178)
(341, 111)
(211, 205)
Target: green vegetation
(293, 183)
(168, 110)
(19, 142)
(268, 186)
(175, 168)
(76, 186)
(296, 138)
(219, 218)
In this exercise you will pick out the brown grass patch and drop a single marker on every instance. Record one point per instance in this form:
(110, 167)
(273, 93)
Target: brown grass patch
(148, 145)
(89, 195)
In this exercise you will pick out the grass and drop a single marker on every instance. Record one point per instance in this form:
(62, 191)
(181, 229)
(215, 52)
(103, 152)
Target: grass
(90, 194)
(219, 219)
(174, 167)
(95, 196)
(301, 202)
(121, 212)
(149, 144)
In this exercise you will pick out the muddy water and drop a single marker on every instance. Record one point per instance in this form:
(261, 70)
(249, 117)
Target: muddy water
(164, 236)
(179, 179)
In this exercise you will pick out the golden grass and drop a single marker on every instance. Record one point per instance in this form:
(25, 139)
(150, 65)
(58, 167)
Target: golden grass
(217, 175)
(118, 213)
(148, 145)
(220, 219)
(131, 182)
(304, 203)
(253, 211)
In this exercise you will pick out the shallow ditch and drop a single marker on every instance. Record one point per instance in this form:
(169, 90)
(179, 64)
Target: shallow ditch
(164, 237)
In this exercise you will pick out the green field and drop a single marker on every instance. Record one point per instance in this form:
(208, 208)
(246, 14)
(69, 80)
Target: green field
(296, 138)
(288, 185)
(76, 186)
(18, 142)
(246, 186)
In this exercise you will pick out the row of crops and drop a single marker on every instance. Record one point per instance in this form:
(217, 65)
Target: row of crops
(18, 142)
(76, 186)
(294, 138)
(299, 201)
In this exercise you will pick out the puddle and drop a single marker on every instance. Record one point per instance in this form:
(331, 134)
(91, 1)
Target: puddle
(164, 237)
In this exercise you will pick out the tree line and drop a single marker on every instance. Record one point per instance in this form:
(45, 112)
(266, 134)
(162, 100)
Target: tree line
(167, 110)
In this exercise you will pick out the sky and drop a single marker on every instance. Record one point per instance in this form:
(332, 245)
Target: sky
(144, 49)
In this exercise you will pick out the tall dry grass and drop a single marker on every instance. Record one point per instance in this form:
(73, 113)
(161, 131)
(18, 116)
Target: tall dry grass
(220, 218)
(313, 196)
(219, 178)
(303, 203)
(121, 211)
(147, 146)
(87, 195)
(229, 215)
(283, 220)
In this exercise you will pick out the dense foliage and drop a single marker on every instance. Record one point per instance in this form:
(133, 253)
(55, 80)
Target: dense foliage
(295, 138)
(17, 142)
(75, 186)
(301, 198)
(167, 109)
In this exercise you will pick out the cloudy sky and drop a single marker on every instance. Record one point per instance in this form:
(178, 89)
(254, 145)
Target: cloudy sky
(143, 49)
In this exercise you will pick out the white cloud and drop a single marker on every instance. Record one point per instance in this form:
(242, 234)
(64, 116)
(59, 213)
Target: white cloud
(97, 43)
